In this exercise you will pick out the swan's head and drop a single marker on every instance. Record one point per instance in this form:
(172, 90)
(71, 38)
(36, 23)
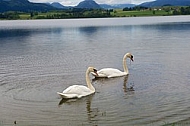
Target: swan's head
(129, 55)
(93, 70)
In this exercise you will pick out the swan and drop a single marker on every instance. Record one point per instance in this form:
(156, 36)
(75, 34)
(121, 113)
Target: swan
(78, 91)
(111, 72)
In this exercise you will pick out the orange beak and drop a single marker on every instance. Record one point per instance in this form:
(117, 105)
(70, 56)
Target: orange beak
(95, 71)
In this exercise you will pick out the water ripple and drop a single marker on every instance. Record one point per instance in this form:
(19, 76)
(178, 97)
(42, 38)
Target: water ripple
(37, 60)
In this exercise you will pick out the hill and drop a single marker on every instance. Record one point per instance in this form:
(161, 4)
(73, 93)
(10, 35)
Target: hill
(23, 5)
(159, 3)
(90, 4)
(58, 5)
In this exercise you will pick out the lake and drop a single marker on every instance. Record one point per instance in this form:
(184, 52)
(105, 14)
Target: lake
(38, 58)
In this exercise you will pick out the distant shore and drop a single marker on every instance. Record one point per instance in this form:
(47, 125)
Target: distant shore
(96, 13)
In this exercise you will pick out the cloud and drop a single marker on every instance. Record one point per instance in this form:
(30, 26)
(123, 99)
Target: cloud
(140, 1)
(75, 2)
(70, 2)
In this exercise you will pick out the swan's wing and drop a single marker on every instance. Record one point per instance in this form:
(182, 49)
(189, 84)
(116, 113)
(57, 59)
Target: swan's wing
(105, 72)
(78, 89)
(75, 91)
(63, 95)
(110, 72)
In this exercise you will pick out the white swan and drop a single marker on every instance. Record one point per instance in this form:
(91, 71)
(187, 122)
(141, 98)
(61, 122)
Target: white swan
(78, 91)
(111, 72)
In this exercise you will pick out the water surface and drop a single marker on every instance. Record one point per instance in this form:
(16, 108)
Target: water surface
(40, 57)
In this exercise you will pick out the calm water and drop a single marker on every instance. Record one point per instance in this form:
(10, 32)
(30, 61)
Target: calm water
(40, 57)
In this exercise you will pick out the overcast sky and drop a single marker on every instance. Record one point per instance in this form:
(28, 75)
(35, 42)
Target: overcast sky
(75, 2)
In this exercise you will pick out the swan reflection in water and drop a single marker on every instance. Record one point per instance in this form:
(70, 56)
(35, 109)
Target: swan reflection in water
(92, 112)
(63, 100)
(125, 88)
(67, 101)
(128, 89)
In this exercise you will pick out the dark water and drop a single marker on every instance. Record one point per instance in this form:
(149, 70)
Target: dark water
(40, 57)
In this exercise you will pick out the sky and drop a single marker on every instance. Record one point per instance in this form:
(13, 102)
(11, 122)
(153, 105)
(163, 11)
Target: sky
(76, 2)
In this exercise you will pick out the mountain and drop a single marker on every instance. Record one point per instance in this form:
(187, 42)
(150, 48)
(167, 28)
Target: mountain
(123, 5)
(158, 3)
(58, 5)
(26, 6)
(23, 5)
(90, 4)
(106, 6)
(116, 6)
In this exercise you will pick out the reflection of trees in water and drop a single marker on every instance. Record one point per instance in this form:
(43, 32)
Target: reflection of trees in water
(88, 30)
(25, 33)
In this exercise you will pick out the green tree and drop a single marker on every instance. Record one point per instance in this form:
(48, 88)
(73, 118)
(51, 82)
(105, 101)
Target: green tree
(153, 12)
(31, 14)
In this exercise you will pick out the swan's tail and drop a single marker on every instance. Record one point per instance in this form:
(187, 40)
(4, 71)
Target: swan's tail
(67, 96)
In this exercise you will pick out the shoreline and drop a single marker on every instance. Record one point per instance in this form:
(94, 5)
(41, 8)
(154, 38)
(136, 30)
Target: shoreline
(83, 22)
(112, 13)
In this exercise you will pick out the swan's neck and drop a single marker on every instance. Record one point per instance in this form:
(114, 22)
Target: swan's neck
(88, 81)
(125, 65)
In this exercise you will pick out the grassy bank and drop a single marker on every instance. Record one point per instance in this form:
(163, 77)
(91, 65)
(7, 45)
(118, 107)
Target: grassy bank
(121, 13)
